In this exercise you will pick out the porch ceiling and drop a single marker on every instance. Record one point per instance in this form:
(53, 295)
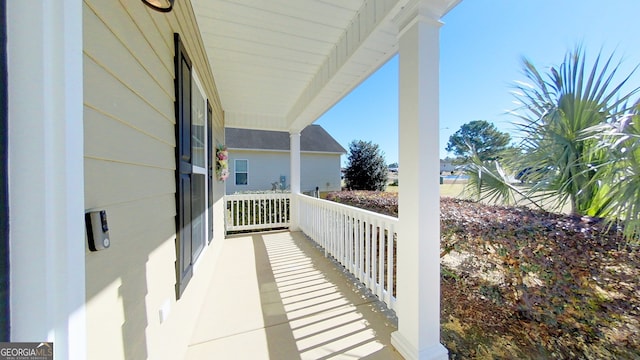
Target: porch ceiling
(280, 64)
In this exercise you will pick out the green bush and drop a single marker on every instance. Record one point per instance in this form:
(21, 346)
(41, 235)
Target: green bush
(367, 169)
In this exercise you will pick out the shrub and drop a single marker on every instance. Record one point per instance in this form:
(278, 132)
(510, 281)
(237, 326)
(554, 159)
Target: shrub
(367, 169)
(376, 201)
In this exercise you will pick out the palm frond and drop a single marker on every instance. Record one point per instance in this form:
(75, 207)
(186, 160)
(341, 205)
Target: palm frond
(580, 142)
(488, 182)
(619, 177)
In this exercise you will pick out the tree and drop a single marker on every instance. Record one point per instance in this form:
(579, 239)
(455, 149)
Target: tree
(560, 107)
(619, 175)
(580, 142)
(367, 169)
(478, 138)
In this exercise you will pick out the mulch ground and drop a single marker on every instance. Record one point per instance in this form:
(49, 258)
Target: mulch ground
(527, 284)
(519, 283)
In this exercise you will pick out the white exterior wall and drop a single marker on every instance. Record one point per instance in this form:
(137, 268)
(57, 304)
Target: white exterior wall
(129, 161)
(319, 170)
(266, 167)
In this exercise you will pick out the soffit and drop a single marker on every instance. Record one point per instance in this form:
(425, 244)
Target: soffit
(280, 64)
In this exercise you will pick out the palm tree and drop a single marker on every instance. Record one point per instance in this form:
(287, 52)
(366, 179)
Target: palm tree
(566, 156)
(619, 176)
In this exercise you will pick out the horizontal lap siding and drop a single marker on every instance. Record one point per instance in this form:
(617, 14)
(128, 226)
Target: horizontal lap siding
(129, 143)
(266, 167)
(318, 170)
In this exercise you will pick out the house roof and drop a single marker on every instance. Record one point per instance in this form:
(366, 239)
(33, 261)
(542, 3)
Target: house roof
(313, 138)
(279, 65)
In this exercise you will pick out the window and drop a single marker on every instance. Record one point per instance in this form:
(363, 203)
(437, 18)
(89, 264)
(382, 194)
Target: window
(242, 173)
(193, 168)
(199, 177)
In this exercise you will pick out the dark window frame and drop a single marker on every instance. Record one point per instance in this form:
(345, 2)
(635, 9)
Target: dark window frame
(184, 168)
(186, 194)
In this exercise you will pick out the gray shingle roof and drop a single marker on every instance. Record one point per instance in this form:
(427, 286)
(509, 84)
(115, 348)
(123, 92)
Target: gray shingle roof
(313, 138)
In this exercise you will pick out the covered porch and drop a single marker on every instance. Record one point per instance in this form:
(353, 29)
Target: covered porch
(280, 69)
(93, 112)
(275, 295)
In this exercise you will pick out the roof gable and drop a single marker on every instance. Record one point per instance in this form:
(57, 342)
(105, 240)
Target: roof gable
(313, 138)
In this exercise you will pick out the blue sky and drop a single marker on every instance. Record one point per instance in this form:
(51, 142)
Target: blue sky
(481, 46)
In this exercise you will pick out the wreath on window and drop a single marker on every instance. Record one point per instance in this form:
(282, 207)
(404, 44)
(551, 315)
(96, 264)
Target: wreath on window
(222, 163)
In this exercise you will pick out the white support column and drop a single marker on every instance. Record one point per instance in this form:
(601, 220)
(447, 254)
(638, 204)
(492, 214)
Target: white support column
(295, 180)
(418, 284)
(46, 174)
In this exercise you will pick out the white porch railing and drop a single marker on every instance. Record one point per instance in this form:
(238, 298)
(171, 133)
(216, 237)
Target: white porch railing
(257, 211)
(364, 242)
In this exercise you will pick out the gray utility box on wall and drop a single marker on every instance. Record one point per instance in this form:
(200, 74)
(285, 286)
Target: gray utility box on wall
(97, 230)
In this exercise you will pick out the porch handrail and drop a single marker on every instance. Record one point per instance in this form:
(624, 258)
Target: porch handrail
(362, 241)
(257, 211)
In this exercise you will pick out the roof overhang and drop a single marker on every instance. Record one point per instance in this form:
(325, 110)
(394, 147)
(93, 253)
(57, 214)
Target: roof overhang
(280, 64)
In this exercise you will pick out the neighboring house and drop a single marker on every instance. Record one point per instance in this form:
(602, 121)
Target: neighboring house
(113, 106)
(261, 160)
(446, 166)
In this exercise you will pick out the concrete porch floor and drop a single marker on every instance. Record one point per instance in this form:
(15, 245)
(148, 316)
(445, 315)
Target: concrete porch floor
(275, 296)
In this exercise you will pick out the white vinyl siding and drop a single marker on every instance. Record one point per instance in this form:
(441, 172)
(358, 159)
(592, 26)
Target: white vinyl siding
(267, 168)
(129, 161)
(321, 170)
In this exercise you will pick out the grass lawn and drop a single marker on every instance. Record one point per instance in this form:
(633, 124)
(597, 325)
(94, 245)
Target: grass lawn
(450, 190)
(456, 190)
